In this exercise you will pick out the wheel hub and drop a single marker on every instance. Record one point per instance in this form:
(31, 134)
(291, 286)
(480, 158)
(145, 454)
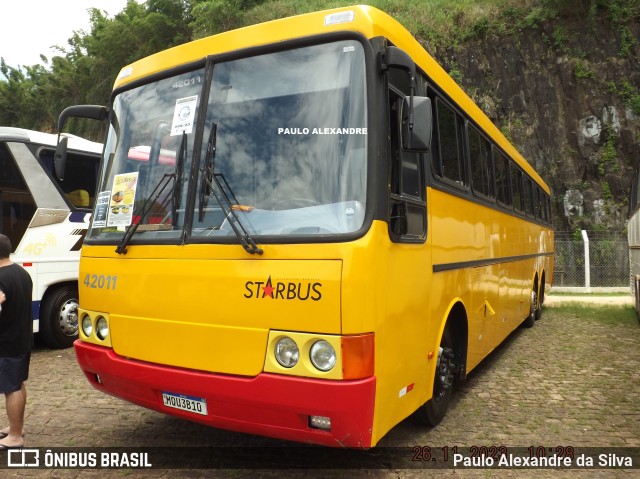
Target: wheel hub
(68, 318)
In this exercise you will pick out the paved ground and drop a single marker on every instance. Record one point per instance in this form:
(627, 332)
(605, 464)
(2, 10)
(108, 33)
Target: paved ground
(570, 381)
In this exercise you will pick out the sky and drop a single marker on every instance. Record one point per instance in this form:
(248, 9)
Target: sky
(31, 27)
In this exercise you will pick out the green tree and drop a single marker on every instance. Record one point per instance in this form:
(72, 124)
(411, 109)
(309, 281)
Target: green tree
(84, 72)
(215, 16)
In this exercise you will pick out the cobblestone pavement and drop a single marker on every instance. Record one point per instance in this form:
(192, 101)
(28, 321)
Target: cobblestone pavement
(571, 380)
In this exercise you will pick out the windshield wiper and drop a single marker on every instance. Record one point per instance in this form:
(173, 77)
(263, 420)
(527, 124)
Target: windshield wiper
(177, 186)
(162, 184)
(225, 197)
(230, 205)
(206, 173)
(143, 210)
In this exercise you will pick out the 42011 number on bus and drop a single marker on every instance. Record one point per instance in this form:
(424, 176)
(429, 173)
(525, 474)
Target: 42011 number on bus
(100, 281)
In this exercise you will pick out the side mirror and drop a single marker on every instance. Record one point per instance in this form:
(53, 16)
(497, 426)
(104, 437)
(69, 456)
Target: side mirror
(416, 111)
(60, 157)
(417, 124)
(395, 57)
(93, 112)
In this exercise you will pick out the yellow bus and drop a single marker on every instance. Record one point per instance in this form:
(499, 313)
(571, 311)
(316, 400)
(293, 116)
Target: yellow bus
(304, 229)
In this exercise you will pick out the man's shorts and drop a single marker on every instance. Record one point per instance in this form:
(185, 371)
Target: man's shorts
(13, 372)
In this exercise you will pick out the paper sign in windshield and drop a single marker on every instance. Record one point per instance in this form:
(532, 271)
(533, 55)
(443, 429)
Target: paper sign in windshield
(102, 209)
(123, 196)
(184, 115)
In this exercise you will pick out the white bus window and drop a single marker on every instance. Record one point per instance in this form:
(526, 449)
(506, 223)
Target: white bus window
(16, 203)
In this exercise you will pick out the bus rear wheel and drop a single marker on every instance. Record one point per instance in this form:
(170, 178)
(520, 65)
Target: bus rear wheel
(533, 310)
(59, 318)
(434, 410)
(540, 301)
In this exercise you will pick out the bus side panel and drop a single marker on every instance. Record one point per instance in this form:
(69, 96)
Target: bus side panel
(488, 259)
(50, 254)
(460, 233)
(404, 333)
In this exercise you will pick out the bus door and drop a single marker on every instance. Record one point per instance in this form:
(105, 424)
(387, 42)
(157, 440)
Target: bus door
(409, 262)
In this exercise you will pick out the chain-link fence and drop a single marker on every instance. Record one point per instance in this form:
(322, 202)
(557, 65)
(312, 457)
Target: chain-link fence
(608, 260)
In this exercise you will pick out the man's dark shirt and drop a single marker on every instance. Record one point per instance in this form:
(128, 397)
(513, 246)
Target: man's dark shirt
(16, 317)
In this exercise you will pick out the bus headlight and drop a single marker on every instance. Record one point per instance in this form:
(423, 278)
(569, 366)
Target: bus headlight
(87, 325)
(322, 355)
(102, 328)
(287, 352)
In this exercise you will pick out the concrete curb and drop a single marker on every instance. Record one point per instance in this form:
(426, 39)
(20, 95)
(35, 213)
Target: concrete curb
(589, 299)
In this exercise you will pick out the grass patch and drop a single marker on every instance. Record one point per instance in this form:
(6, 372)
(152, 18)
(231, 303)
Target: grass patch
(605, 314)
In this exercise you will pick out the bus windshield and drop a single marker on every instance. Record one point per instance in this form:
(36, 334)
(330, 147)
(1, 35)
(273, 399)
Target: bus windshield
(283, 148)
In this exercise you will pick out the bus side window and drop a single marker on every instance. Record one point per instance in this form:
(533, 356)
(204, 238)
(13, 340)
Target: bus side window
(16, 202)
(81, 175)
(451, 162)
(80, 179)
(537, 212)
(516, 186)
(502, 178)
(481, 166)
(528, 205)
(407, 209)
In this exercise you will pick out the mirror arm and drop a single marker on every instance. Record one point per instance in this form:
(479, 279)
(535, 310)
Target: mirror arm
(93, 112)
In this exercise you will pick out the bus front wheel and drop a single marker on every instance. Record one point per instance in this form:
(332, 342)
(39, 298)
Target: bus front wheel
(59, 318)
(434, 410)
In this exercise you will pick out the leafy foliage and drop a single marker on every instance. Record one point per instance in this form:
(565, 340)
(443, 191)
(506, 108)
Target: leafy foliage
(33, 96)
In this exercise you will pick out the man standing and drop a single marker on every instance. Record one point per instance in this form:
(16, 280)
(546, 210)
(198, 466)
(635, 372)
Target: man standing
(16, 338)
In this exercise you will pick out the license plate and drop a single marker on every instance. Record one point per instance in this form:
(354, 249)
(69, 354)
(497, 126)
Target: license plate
(185, 403)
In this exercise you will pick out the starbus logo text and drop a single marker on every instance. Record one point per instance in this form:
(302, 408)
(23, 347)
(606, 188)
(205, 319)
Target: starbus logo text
(287, 290)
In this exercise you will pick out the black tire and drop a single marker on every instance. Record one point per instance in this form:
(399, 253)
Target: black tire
(533, 310)
(434, 410)
(59, 318)
(540, 302)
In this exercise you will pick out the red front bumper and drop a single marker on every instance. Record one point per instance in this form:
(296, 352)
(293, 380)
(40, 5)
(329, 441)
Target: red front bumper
(268, 404)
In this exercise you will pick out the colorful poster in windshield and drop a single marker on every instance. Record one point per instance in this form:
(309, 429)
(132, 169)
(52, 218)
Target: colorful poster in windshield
(123, 196)
(184, 115)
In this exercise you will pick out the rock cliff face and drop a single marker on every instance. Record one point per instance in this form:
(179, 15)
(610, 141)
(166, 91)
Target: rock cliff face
(567, 94)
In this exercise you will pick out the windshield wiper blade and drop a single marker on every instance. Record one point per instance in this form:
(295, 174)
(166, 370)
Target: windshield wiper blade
(143, 210)
(210, 183)
(229, 205)
(206, 173)
(177, 185)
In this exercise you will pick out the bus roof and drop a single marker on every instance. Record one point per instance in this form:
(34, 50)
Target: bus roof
(48, 139)
(368, 21)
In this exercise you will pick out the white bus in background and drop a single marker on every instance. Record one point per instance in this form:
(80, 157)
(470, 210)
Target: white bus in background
(46, 220)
